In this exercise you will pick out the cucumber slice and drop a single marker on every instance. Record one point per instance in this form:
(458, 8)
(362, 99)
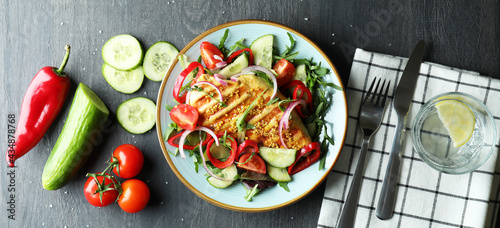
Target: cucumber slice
(158, 59)
(124, 81)
(262, 50)
(228, 173)
(123, 52)
(137, 115)
(278, 157)
(240, 63)
(82, 131)
(278, 174)
(300, 74)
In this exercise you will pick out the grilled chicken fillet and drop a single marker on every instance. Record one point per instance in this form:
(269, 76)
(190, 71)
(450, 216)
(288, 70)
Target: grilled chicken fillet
(238, 96)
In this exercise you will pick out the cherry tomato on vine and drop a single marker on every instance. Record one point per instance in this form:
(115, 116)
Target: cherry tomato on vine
(101, 193)
(135, 196)
(127, 161)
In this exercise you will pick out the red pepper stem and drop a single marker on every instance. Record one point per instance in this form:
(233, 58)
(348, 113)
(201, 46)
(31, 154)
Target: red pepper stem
(65, 60)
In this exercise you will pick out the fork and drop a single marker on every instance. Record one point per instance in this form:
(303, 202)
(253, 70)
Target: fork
(371, 112)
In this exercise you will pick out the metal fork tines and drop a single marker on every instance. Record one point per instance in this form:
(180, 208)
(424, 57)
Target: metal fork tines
(370, 118)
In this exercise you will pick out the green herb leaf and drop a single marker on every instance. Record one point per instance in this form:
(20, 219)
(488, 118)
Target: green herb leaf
(222, 48)
(272, 101)
(240, 122)
(251, 193)
(284, 185)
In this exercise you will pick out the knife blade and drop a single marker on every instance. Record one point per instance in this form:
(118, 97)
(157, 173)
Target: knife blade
(401, 103)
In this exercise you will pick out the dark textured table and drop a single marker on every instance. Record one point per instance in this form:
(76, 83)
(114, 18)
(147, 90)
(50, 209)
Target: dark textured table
(460, 34)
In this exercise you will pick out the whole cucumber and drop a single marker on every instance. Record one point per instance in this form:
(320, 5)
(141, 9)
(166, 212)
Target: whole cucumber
(81, 132)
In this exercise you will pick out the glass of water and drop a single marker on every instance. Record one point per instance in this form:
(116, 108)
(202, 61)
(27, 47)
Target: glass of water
(454, 133)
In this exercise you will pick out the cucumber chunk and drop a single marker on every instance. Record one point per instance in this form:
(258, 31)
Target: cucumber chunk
(240, 63)
(300, 74)
(82, 131)
(228, 173)
(278, 174)
(137, 115)
(158, 59)
(123, 52)
(262, 50)
(278, 157)
(124, 81)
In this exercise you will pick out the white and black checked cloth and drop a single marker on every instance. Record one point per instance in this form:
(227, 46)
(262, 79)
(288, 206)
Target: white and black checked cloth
(425, 198)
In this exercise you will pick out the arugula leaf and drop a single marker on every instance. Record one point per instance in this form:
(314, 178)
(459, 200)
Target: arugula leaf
(239, 44)
(199, 89)
(169, 107)
(288, 48)
(284, 185)
(251, 193)
(222, 48)
(273, 100)
(240, 122)
(172, 127)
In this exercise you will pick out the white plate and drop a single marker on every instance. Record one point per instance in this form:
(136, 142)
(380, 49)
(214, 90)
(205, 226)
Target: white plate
(303, 182)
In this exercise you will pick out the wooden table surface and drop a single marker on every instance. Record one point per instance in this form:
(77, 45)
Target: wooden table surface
(460, 34)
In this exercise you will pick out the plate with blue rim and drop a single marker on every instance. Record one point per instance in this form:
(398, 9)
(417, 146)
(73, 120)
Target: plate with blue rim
(304, 182)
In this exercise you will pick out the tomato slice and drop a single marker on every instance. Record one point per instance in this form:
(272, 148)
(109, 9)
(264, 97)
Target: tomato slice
(252, 162)
(185, 116)
(285, 71)
(208, 51)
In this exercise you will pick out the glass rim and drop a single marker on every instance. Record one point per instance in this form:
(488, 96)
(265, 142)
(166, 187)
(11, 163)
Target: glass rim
(426, 158)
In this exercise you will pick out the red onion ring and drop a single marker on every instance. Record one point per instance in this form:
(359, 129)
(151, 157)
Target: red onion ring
(269, 74)
(220, 65)
(221, 79)
(285, 119)
(212, 85)
(188, 94)
(182, 139)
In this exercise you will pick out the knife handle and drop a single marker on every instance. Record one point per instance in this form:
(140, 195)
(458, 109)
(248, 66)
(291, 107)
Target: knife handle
(387, 198)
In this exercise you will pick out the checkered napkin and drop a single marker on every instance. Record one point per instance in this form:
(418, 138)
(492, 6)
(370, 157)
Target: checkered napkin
(425, 197)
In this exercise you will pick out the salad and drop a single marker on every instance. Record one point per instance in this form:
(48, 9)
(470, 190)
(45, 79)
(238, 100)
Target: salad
(243, 145)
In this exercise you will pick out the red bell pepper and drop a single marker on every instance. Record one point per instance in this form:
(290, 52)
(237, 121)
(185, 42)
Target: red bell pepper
(252, 145)
(180, 80)
(298, 93)
(172, 141)
(232, 155)
(237, 53)
(310, 153)
(41, 104)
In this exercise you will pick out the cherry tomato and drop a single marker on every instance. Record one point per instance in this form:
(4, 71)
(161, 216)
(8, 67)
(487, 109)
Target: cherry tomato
(208, 51)
(128, 161)
(185, 116)
(285, 71)
(92, 190)
(135, 196)
(255, 164)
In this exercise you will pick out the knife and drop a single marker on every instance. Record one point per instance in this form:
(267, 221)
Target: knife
(401, 102)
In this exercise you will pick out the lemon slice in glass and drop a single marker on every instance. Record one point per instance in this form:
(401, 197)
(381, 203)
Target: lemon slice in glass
(458, 120)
